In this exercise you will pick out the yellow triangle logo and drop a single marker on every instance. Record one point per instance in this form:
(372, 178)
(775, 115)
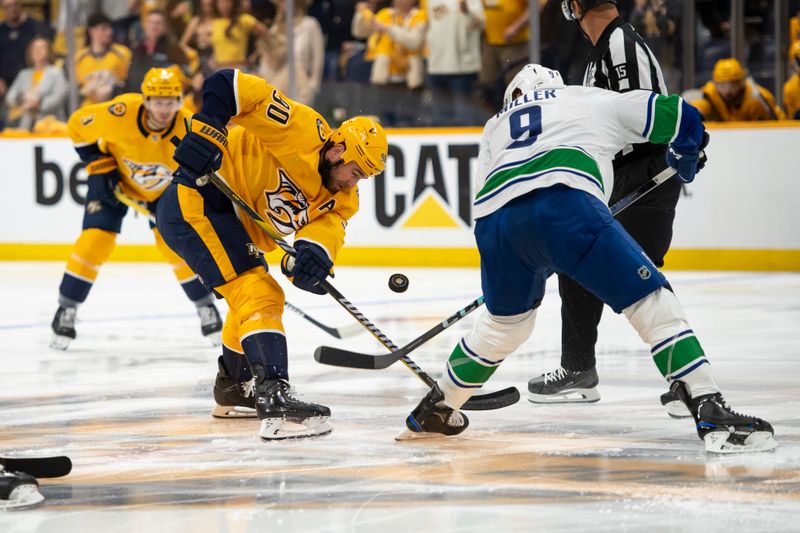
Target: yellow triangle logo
(430, 214)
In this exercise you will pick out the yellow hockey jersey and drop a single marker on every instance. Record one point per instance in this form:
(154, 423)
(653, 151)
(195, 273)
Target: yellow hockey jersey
(117, 128)
(272, 162)
(757, 104)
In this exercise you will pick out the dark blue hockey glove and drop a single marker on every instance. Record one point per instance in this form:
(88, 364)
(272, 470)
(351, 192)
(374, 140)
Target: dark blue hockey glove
(311, 266)
(102, 186)
(200, 151)
(685, 158)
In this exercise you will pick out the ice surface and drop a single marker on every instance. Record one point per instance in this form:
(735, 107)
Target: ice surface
(130, 402)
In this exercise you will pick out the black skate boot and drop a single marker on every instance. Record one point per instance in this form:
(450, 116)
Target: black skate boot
(675, 407)
(564, 386)
(282, 415)
(235, 399)
(18, 490)
(722, 429)
(210, 323)
(63, 327)
(432, 418)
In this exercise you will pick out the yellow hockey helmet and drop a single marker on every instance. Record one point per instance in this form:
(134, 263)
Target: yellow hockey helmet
(162, 82)
(727, 70)
(364, 142)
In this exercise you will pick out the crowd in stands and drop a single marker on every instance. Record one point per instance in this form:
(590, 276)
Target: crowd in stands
(410, 62)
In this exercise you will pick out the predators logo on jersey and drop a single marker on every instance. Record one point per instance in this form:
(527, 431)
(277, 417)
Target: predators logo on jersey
(287, 205)
(117, 109)
(148, 176)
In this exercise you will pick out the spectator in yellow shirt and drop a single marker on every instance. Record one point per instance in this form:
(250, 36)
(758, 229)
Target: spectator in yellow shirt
(395, 36)
(102, 66)
(505, 46)
(230, 33)
(791, 89)
(733, 96)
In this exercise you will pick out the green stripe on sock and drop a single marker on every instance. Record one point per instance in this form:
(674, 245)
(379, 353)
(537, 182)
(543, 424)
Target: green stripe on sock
(678, 355)
(665, 119)
(555, 158)
(467, 370)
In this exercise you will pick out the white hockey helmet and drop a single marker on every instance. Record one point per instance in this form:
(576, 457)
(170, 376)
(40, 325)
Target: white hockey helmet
(530, 78)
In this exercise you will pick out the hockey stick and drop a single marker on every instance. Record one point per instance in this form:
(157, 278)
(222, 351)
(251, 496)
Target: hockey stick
(339, 333)
(133, 204)
(43, 467)
(495, 400)
(330, 355)
(645, 188)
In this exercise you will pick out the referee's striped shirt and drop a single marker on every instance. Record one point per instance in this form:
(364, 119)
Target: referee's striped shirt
(621, 61)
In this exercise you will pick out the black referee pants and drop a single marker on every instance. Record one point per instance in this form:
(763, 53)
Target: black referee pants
(649, 222)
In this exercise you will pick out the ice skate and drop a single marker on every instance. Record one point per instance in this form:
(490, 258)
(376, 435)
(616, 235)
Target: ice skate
(675, 407)
(432, 418)
(722, 429)
(285, 417)
(18, 490)
(210, 324)
(235, 399)
(63, 327)
(564, 386)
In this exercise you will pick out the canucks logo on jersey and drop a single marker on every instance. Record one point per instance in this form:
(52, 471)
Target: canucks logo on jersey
(148, 176)
(287, 205)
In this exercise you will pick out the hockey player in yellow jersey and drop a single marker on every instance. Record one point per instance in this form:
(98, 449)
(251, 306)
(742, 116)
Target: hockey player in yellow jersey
(126, 146)
(733, 96)
(285, 162)
(791, 89)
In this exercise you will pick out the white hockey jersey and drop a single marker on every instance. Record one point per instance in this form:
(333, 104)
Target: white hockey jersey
(569, 136)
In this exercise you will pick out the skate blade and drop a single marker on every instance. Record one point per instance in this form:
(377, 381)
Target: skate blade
(407, 435)
(677, 409)
(232, 411)
(282, 429)
(22, 497)
(59, 342)
(760, 441)
(215, 338)
(568, 396)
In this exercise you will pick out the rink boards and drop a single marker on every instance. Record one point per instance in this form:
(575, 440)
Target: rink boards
(739, 214)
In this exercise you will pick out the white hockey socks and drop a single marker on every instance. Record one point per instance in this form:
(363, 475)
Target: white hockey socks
(477, 356)
(661, 323)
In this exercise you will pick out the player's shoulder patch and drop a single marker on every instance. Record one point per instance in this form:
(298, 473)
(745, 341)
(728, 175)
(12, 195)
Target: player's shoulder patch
(118, 109)
(322, 130)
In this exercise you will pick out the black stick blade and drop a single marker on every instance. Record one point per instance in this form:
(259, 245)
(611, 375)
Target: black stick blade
(493, 400)
(42, 467)
(328, 355)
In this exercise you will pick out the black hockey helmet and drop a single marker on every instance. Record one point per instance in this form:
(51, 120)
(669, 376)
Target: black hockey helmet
(586, 5)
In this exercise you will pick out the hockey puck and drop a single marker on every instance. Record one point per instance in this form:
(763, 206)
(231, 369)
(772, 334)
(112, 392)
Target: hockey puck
(398, 282)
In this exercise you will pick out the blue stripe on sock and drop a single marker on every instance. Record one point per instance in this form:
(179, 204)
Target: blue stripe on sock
(694, 366)
(476, 356)
(458, 382)
(655, 348)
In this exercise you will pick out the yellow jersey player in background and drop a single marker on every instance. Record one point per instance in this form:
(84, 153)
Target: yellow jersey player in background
(125, 144)
(732, 95)
(791, 89)
(301, 177)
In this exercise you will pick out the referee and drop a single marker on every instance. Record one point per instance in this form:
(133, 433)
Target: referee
(620, 61)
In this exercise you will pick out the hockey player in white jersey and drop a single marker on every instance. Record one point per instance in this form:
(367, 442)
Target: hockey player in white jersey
(545, 171)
